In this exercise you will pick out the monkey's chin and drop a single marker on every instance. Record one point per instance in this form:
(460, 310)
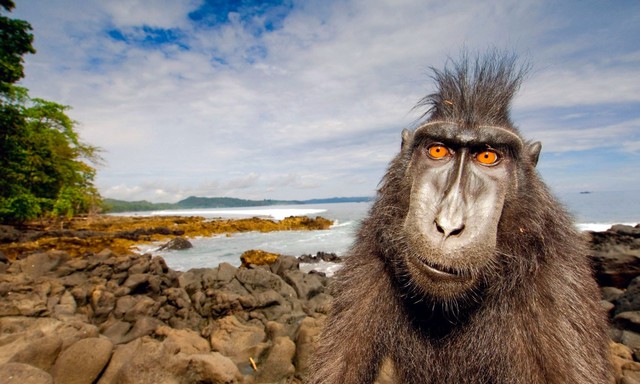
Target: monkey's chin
(439, 281)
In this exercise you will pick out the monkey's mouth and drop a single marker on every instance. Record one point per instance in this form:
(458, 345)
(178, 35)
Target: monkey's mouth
(442, 272)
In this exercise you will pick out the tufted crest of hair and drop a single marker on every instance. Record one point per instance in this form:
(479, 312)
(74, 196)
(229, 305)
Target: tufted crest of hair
(473, 92)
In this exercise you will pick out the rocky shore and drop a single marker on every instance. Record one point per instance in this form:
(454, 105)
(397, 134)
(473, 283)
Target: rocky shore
(119, 317)
(92, 234)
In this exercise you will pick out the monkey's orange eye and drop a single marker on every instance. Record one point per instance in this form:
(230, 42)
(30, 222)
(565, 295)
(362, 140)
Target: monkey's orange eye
(438, 151)
(487, 157)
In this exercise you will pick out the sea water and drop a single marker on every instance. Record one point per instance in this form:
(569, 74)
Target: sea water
(595, 211)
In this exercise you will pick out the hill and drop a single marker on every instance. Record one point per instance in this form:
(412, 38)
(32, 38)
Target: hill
(115, 206)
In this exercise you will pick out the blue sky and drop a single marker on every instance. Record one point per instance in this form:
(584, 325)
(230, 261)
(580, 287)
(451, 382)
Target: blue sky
(305, 99)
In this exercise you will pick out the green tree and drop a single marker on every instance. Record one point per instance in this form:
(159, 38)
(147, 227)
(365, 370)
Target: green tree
(44, 168)
(15, 42)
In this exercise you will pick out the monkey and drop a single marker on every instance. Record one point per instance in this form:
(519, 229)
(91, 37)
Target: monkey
(466, 269)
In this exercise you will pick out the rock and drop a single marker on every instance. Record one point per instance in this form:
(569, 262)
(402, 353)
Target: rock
(40, 263)
(121, 356)
(258, 257)
(27, 302)
(285, 263)
(18, 373)
(136, 283)
(308, 335)
(66, 307)
(226, 272)
(237, 341)
(83, 361)
(611, 293)
(8, 234)
(40, 352)
(131, 308)
(625, 230)
(103, 302)
(278, 366)
(321, 303)
(256, 280)
(306, 285)
(121, 332)
(616, 256)
(176, 244)
(320, 256)
(631, 372)
(204, 325)
(607, 306)
(628, 380)
(616, 268)
(143, 361)
(629, 320)
(212, 368)
(632, 340)
(630, 299)
(183, 340)
(147, 361)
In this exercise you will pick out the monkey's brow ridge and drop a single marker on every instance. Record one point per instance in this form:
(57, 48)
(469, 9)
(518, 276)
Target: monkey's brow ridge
(501, 129)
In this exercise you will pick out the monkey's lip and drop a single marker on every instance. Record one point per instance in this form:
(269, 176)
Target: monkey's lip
(441, 271)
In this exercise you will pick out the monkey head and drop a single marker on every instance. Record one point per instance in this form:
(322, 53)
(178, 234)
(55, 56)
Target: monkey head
(459, 179)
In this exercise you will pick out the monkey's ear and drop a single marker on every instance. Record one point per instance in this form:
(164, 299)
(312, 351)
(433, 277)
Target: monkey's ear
(407, 136)
(533, 151)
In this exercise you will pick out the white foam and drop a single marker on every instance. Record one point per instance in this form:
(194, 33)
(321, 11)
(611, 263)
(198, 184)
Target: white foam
(274, 213)
(321, 266)
(598, 227)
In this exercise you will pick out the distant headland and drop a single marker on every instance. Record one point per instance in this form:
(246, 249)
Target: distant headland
(116, 206)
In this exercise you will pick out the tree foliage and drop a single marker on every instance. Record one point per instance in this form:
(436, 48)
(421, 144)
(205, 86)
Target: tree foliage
(44, 166)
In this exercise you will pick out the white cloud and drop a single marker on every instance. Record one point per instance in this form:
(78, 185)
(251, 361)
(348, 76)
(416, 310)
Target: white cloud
(313, 105)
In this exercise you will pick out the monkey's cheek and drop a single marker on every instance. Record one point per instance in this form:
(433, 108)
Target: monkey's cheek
(438, 281)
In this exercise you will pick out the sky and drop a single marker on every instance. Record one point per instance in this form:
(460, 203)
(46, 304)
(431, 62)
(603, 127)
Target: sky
(307, 99)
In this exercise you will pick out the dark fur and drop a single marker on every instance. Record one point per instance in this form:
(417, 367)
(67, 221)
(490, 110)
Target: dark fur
(535, 317)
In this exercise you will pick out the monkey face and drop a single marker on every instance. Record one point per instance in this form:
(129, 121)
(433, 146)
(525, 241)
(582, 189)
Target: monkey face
(459, 179)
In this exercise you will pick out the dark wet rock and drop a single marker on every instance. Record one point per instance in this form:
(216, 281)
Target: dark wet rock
(630, 299)
(320, 256)
(306, 285)
(616, 255)
(628, 320)
(176, 244)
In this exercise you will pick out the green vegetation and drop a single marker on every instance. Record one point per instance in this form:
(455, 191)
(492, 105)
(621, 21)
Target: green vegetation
(115, 206)
(44, 170)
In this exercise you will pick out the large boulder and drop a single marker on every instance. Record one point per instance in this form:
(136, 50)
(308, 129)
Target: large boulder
(83, 361)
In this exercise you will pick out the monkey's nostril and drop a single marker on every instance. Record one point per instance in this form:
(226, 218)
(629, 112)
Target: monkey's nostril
(457, 231)
(446, 231)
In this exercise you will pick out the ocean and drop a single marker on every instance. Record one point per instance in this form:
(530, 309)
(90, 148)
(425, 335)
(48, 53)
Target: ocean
(595, 211)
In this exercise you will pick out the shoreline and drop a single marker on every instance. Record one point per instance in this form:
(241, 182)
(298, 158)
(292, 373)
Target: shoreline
(122, 233)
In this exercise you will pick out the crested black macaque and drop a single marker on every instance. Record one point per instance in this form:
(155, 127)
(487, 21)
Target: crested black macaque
(467, 270)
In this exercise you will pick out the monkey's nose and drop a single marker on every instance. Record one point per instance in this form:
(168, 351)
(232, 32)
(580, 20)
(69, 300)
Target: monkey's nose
(448, 228)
